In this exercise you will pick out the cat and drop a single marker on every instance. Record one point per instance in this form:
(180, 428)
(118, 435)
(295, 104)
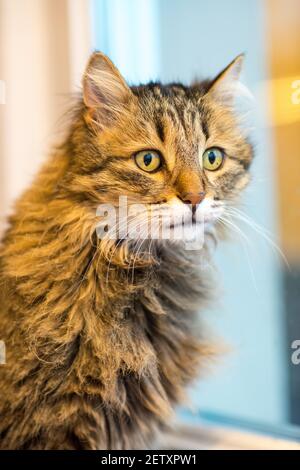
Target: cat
(102, 337)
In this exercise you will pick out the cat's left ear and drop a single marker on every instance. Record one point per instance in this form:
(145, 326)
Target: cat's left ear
(226, 86)
(105, 92)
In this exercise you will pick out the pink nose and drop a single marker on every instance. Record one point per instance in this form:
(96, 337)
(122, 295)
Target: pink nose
(192, 198)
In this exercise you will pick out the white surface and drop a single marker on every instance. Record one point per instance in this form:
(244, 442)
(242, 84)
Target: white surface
(217, 438)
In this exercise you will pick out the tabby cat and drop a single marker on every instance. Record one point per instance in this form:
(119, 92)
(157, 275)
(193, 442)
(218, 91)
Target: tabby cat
(103, 334)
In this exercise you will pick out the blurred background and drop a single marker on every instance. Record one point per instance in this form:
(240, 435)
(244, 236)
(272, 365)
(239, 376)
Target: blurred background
(44, 45)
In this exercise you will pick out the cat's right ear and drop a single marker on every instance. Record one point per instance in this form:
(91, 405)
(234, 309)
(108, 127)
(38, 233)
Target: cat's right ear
(226, 86)
(105, 92)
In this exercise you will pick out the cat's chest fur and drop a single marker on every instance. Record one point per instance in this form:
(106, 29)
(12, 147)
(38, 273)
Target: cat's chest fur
(114, 348)
(153, 345)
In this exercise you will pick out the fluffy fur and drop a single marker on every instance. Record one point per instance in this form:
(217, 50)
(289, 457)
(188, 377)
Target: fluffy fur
(101, 339)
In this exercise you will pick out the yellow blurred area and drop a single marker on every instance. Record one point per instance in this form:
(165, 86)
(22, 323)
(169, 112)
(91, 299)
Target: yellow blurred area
(283, 89)
(285, 100)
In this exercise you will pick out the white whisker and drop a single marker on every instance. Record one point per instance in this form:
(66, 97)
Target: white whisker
(265, 234)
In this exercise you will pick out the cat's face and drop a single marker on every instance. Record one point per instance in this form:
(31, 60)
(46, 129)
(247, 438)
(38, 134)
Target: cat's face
(174, 149)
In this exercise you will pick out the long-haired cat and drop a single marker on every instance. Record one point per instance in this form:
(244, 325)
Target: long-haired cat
(103, 334)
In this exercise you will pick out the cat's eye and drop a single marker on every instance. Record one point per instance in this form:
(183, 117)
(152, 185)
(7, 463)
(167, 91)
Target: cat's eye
(148, 160)
(213, 158)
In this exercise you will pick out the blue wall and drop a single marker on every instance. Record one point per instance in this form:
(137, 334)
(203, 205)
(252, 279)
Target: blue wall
(127, 31)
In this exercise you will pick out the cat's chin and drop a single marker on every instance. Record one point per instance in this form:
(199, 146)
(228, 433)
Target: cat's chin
(191, 236)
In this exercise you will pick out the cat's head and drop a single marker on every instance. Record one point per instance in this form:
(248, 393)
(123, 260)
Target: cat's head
(172, 148)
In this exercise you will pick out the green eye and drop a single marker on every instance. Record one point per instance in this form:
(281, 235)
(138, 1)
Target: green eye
(148, 160)
(213, 158)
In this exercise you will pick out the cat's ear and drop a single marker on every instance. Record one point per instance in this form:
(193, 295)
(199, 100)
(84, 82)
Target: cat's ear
(105, 92)
(226, 86)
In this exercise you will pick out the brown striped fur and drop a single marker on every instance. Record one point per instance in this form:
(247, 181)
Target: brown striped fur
(98, 353)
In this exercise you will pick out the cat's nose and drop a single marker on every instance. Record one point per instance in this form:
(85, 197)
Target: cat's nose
(192, 198)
